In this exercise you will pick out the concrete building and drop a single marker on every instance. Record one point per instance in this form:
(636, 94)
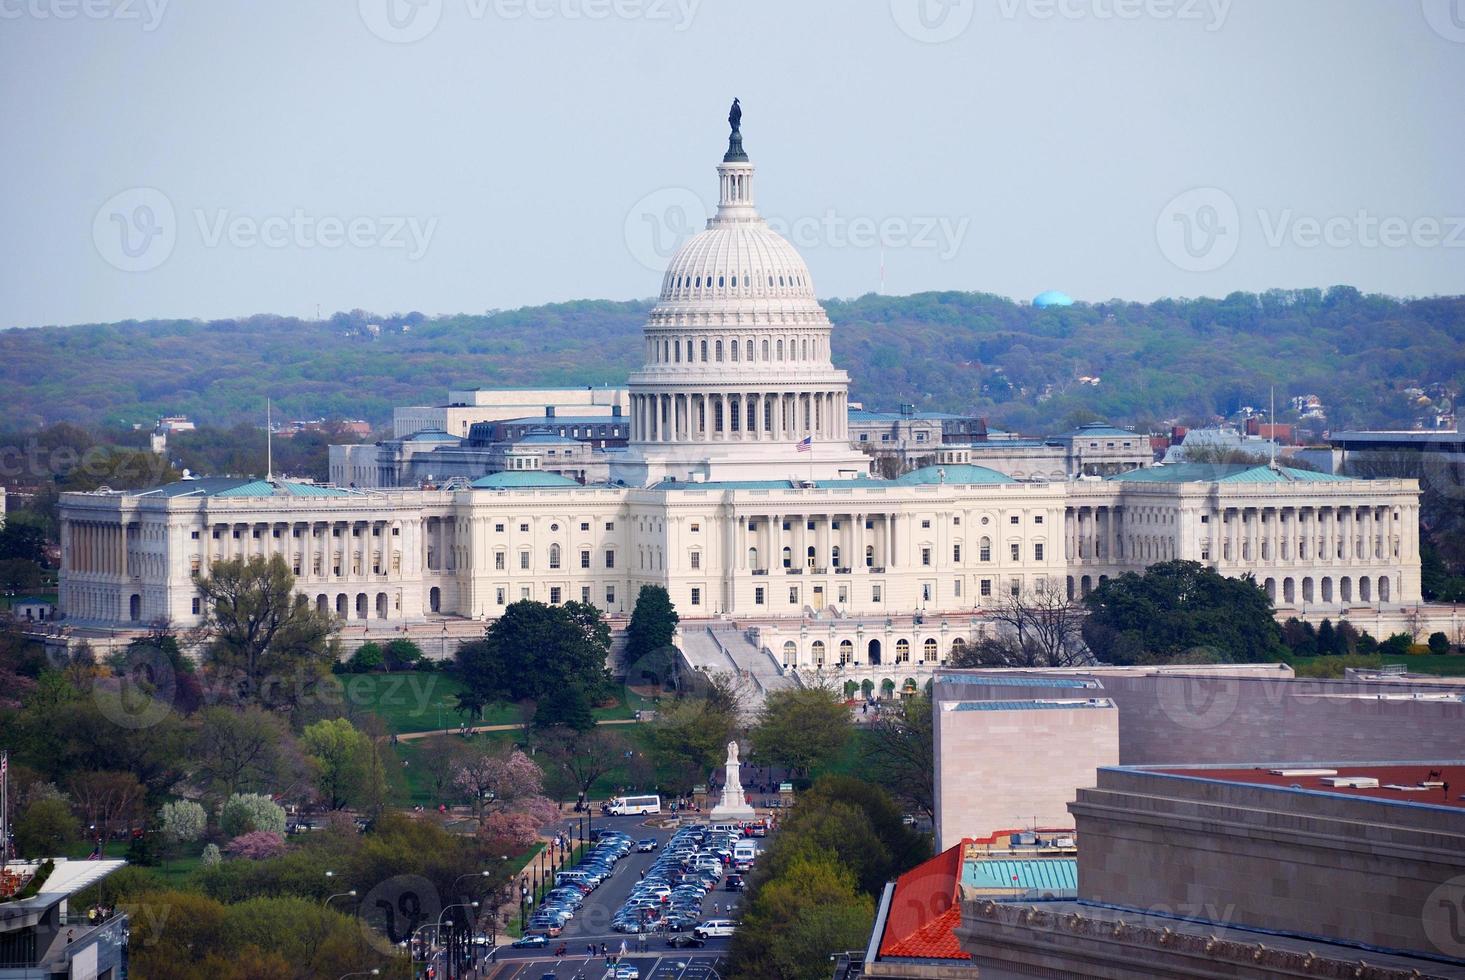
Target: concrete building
(739, 490)
(1302, 870)
(43, 936)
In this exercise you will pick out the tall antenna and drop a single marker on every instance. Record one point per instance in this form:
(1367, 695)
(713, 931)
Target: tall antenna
(1272, 420)
(269, 444)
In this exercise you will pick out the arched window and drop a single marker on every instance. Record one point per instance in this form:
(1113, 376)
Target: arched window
(790, 652)
(719, 351)
(780, 350)
(788, 558)
(734, 350)
(984, 550)
(554, 556)
(958, 647)
(928, 649)
(902, 651)
(818, 650)
(869, 556)
(750, 350)
(846, 652)
(765, 350)
(752, 557)
(809, 556)
(704, 350)
(834, 556)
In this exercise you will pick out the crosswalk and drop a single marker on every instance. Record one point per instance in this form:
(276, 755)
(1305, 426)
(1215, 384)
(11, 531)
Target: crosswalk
(652, 966)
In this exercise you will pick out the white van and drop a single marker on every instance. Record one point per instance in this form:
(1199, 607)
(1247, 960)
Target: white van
(726, 828)
(716, 927)
(623, 805)
(745, 852)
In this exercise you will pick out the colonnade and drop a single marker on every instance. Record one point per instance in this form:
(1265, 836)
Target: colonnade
(739, 416)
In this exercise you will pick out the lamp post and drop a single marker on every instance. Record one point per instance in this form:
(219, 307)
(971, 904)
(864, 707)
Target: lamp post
(351, 893)
(373, 972)
(455, 954)
(472, 874)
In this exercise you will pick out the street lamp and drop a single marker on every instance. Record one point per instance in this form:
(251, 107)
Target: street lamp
(373, 972)
(456, 953)
(472, 874)
(351, 893)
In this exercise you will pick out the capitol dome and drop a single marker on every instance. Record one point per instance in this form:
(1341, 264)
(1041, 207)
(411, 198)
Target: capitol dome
(734, 260)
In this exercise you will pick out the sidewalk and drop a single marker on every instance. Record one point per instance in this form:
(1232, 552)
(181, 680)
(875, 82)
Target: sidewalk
(411, 736)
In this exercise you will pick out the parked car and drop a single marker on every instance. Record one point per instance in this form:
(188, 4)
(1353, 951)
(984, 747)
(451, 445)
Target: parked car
(685, 941)
(532, 941)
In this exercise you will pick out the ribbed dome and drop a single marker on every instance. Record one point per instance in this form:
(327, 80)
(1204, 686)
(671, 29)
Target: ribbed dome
(731, 261)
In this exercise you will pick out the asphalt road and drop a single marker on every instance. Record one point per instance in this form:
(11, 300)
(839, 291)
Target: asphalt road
(592, 925)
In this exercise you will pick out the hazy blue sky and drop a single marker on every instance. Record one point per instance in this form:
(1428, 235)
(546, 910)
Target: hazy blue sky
(206, 158)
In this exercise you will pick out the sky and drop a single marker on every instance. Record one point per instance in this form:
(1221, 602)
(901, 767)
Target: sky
(217, 158)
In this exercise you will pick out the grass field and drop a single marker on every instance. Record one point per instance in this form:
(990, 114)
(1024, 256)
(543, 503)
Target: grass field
(1446, 666)
(422, 701)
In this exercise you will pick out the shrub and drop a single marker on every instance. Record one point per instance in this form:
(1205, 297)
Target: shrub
(401, 654)
(368, 657)
(257, 845)
(1396, 645)
(1439, 644)
(211, 855)
(245, 812)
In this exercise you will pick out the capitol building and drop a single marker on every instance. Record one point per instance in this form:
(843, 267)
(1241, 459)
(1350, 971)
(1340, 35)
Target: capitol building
(739, 487)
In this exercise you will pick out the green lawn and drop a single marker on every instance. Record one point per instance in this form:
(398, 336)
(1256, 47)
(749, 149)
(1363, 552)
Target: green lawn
(1446, 666)
(422, 701)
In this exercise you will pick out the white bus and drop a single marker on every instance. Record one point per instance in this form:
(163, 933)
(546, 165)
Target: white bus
(622, 805)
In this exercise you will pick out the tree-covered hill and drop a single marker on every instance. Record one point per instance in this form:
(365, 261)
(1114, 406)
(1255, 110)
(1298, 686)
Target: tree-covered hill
(1185, 359)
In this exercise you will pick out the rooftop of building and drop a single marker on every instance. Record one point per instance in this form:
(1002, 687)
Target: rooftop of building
(522, 479)
(1027, 705)
(1419, 783)
(1098, 429)
(231, 486)
(1224, 473)
(921, 912)
(1399, 436)
(67, 877)
(865, 415)
(956, 474)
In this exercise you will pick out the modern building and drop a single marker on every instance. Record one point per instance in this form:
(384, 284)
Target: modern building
(43, 937)
(739, 490)
(1256, 871)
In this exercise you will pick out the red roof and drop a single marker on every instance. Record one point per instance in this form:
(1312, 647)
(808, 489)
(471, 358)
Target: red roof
(924, 912)
(1413, 775)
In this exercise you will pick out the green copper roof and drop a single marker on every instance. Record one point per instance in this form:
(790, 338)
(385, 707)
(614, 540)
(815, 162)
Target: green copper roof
(1224, 473)
(237, 487)
(522, 479)
(958, 474)
(1041, 874)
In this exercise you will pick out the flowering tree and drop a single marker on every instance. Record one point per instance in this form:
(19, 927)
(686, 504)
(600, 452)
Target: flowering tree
(507, 792)
(257, 845)
(245, 812)
(183, 821)
(211, 855)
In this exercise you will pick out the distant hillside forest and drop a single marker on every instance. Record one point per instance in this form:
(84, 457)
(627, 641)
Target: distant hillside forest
(1186, 360)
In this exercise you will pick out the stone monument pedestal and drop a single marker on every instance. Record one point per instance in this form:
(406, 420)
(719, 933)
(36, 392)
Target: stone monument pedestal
(733, 806)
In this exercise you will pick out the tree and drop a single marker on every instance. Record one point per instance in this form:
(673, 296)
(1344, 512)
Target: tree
(22, 540)
(183, 821)
(107, 799)
(649, 650)
(267, 640)
(900, 753)
(568, 708)
(368, 657)
(794, 921)
(239, 750)
(245, 813)
(582, 759)
(343, 759)
(689, 739)
(1038, 628)
(1177, 608)
(45, 828)
(534, 651)
(1327, 639)
(507, 793)
(19, 574)
(470, 704)
(257, 845)
(801, 728)
(1439, 644)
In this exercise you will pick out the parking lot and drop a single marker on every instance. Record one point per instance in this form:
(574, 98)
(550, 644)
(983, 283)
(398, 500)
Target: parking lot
(592, 925)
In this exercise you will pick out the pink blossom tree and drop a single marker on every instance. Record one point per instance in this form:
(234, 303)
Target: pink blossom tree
(508, 794)
(257, 845)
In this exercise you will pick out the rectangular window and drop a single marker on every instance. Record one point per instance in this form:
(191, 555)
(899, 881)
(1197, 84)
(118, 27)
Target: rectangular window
(585, 594)
(584, 525)
(834, 525)
(554, 595)
(610, 559)
(986, 588)
(956, 553)
(610, 595)
(498, 529)
(1037, 518)
(1014, 519)
(758, 596)
(1037, 552)
(793, 597)
(498, 561)
(524, 528)
(1205, 518)
(874, 593)
(925, 524)
(554, 558)
(1017, 552)
(498, 595)
(195, 535)
(696, 559)
(195, 605)
(956, 588)
(696, 597)
(524, 560)
(610, 525)
(925, 556)
(808, 525)
(870, 525)
(696, 528)
(584, 559)
(956, 521)
(1015, 587)
(524, 592)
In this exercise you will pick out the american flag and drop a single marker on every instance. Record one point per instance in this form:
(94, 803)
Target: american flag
(806, 444)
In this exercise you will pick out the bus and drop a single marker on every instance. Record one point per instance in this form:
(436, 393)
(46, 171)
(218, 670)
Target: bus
(622, 805)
